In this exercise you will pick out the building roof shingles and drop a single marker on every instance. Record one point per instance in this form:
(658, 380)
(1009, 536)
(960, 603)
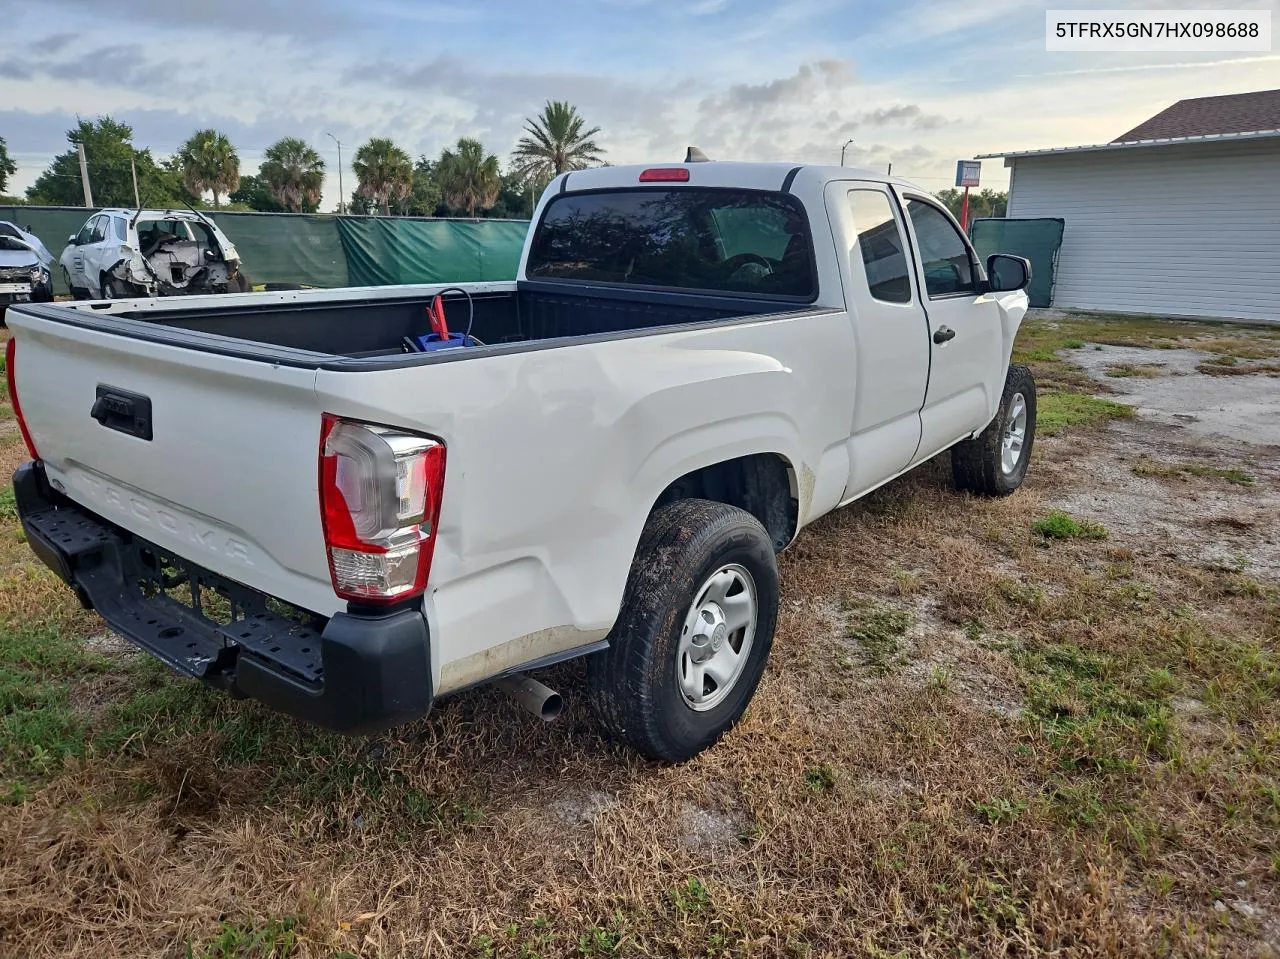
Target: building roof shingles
(1205, 116)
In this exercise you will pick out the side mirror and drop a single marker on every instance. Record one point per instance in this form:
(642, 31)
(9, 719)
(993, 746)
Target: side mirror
(72, 238)
(1007, 273)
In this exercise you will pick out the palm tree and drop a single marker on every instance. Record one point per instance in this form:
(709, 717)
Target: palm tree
(295, 173)
(556, 143)
(209, 162)
(385, 172)
(468, 178)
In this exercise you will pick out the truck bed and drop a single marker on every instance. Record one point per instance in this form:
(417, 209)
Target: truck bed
(348, 324)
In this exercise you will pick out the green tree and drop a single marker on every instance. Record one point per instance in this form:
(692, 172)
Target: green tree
(426, 198)
(209, 162)
(384, 172)
(108, 147)
(992, 202)
(295, 173)
(555, 142)
(255, 193)
(7, 167)
(468, 177)
(988, 202)
(515, 199)
(360, 205)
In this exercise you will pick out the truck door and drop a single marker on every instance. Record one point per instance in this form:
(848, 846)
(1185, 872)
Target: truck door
(965, 337)
(890, 332)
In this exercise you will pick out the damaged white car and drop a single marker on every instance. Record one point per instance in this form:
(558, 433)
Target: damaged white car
(123, 253)
(24, 267)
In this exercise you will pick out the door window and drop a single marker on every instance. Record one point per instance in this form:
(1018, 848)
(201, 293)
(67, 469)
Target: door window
(881, 245)
(943, 252)
(86, 232)
(100, 226)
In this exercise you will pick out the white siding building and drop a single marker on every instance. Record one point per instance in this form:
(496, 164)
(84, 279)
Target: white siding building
(1176, 225)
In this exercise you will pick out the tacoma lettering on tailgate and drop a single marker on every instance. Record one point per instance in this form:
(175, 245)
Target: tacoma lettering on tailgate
(123, 503)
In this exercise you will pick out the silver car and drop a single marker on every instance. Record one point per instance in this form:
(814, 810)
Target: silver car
(123, 253)
(24, 267)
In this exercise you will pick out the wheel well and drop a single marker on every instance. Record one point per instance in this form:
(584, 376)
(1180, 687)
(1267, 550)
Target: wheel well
(763, 484)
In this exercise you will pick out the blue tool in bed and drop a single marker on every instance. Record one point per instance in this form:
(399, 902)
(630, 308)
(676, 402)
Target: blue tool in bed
(440, 338)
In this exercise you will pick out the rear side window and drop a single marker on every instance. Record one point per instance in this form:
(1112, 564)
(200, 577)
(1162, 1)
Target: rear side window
(943, 252)
(121, 228)
(882, 246)
(687, 238)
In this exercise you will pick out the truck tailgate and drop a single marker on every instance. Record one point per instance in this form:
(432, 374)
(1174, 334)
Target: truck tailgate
(228, 477)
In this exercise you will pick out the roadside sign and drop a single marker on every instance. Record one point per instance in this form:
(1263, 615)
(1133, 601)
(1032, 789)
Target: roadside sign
(968, 172)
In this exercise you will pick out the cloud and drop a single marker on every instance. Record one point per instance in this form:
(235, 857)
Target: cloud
(907, 113)
(1133, 67)
(743, 79)
(313, 19)
(804, 84)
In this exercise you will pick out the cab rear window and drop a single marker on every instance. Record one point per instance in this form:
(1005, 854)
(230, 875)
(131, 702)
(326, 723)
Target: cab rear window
(681, 238)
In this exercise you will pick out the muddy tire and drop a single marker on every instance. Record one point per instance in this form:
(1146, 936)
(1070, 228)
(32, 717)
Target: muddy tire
(694, 632)
(995, 462)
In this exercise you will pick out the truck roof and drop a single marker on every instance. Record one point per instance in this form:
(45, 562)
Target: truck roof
(725, 173)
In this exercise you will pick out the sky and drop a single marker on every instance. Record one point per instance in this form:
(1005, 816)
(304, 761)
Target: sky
(917, 84)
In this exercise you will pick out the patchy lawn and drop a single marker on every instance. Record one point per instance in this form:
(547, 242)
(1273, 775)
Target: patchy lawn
(1042, 726)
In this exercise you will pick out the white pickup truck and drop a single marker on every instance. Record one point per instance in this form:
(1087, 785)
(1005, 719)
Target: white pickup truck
(292, 497)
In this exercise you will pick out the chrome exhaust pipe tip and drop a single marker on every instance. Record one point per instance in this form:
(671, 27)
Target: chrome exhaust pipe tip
(543, 701)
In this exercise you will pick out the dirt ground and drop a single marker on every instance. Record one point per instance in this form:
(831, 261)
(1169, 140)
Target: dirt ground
(1046, 725)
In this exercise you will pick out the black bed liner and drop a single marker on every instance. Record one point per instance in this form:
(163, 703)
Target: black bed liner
(365, 334)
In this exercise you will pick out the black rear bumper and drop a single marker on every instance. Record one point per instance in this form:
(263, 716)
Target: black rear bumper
(355, 672)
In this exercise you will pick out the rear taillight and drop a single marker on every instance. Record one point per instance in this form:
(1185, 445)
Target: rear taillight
(380, 503)
(10, 354)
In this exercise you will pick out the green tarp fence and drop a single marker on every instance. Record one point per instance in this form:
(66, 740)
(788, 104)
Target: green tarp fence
(331, 251)
(1036, 238)
(384, 250)
(286, 248)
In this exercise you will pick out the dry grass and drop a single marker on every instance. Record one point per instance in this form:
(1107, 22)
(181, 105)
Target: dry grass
(1143, 370)
(974, 739)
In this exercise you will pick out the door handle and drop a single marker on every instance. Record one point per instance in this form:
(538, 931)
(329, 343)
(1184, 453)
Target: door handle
(943, 334)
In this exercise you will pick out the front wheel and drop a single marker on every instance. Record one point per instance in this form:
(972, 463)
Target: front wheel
(694, 632)
(76, 292)
(995, 462)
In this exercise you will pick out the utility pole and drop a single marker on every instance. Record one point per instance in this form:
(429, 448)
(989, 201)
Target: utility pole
(84, 176)
(133, 165)
(342, 195)
(842, 149)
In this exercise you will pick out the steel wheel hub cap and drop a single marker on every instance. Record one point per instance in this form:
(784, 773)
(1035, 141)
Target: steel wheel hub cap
(716, 638)
(1015, 434)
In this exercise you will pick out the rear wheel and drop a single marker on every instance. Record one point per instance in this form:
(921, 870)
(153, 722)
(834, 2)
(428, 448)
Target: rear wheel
(694, 632)
(995, 462)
